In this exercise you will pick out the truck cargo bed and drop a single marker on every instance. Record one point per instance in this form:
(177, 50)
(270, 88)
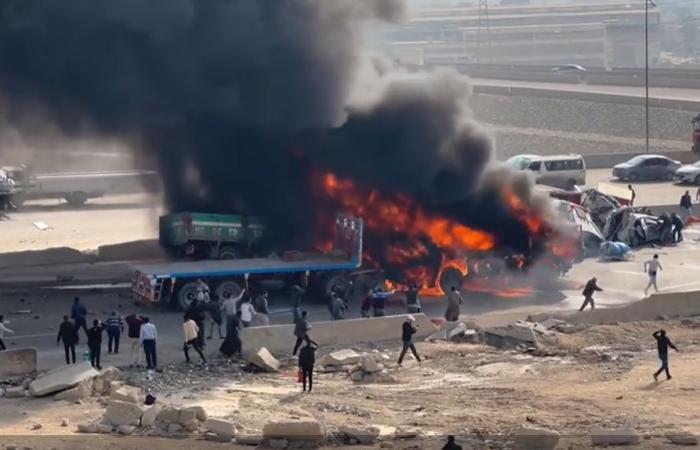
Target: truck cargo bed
(231, 267)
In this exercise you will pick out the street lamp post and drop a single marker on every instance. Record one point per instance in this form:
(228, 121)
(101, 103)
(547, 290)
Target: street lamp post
(646, 71)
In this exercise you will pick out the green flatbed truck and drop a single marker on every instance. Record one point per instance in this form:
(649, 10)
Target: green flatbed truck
(211, 236)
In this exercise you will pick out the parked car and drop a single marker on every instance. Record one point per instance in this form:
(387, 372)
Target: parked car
(689, 173)
(562, 171)
(569, 68)
(646, 167)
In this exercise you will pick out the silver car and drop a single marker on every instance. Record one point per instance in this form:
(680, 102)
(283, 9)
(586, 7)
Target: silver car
(689, 173)
(646, 167)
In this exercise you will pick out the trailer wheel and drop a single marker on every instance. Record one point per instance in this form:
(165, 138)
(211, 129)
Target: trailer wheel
(228, 289)
(186, 295)
(450, 277)
(339, 283)
(229, 252)
(76, 199)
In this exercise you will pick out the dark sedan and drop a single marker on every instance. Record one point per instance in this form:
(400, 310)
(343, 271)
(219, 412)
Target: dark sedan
(646, 167)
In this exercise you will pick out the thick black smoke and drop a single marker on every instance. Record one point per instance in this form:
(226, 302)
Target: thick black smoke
(240, 100)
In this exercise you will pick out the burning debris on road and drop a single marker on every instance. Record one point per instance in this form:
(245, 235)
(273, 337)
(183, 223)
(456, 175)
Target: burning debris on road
(273, 108)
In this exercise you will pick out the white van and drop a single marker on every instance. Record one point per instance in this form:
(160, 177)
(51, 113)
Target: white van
(562, 171)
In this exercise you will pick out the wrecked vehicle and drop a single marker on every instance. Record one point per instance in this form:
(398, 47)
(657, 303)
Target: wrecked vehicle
(599, 204)
(591, 236)
(635, 229)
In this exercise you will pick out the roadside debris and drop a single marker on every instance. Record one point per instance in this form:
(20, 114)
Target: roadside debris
(263, 360)
(619, 436)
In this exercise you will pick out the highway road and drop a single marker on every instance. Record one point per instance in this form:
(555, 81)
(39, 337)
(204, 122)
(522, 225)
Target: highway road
(661, 94)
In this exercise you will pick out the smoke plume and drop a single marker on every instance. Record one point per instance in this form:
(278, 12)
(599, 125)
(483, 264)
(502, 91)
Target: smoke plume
(241, 101)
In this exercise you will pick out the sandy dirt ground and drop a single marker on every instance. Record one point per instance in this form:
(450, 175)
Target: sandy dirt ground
(599, 377)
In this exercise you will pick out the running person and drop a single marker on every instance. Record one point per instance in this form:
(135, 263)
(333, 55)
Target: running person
(652, 267)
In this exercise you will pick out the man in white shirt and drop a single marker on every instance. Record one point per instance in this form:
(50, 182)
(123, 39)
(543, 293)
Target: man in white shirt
(230, 309)
(651, 267)
(148, 336)
(247, 313)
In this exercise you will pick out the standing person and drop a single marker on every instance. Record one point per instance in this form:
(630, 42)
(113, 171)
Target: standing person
(296, 297)
(196, 312)
(454, 299)
(230, 310)
(115, 326)
(412, 300)
(68, 333)
(678, 226)
(3, 330)
(652, 267)
(262, 310)
(79, 315)
(366, 304)
(232, 344)
(662, 345)
(408, 329)
(247, 313)
(191, 333)
(148, 336)
(633, 194)
(588, 290)
(133, 324)
(378, 302)
(301, 327)
(307, 359)
(214, 308)
(202, 291)
(451, 444)
(339, 308)
(95, 343)
(686, 206)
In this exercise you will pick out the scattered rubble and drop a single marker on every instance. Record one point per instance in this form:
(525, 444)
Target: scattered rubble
(224, 430)
(127, 394)
(365, 435)
(62, 378)
(340, 358)
(531, 438)
(682, 438)
(294, 430)
(123, 413)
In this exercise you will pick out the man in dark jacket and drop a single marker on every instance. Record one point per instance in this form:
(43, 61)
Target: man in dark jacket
(197, 312)
(678, 226)
(662, 345)
(686, 206)
(133, 323)
(451, 444)
(307, 359)
(115, 327)
(68, 333)
(95, 343)
(407, 331)
(412, 300)
(301, 327)
(588, 291)
(79, 315)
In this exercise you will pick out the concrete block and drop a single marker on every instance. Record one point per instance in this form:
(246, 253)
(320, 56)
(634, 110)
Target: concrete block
(222, 428)
(308, 430)
(148, 419)
(619, 436)
(17, 362)
(62, 378)
(531, 438)
(682, 438)
(15, 392)
(186, 416)
(127, 394)
(263, 359)
(363, 435)
(369, 365)
(82, 391)
(168, 415)
(123, 413)
(340, 358)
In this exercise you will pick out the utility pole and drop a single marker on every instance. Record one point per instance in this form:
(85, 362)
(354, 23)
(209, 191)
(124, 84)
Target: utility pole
(483, 23)
(646, 69)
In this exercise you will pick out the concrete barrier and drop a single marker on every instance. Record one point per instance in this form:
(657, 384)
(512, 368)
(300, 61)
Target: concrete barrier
(18, 362)
(280, 338)
(671, 304)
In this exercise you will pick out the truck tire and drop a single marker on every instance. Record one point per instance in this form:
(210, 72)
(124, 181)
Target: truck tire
(229, 252)
(186, 294)
(228, 289)
(339, 282)
(76, 199)
(449, 277)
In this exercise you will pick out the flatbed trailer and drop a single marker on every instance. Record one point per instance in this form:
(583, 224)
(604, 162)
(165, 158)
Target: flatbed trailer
(177, 282)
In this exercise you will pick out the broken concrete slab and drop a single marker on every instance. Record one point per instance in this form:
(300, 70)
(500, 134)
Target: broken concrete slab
(509, 337)
(82, 391)
(532, 438)
(61, 379)
(223, 429)
(619, 436)
(127, 394)
(199, 412)
(340, 358)
(263, 359)
(363, 435)
(87, 427)
(304, 429)
(552, 322)
(168, 415)
(186, 415)
(123, 413)
(369, 365)
(102, 384)
(148, 419)
(17, 362)
(682, 438)
(15, 392)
